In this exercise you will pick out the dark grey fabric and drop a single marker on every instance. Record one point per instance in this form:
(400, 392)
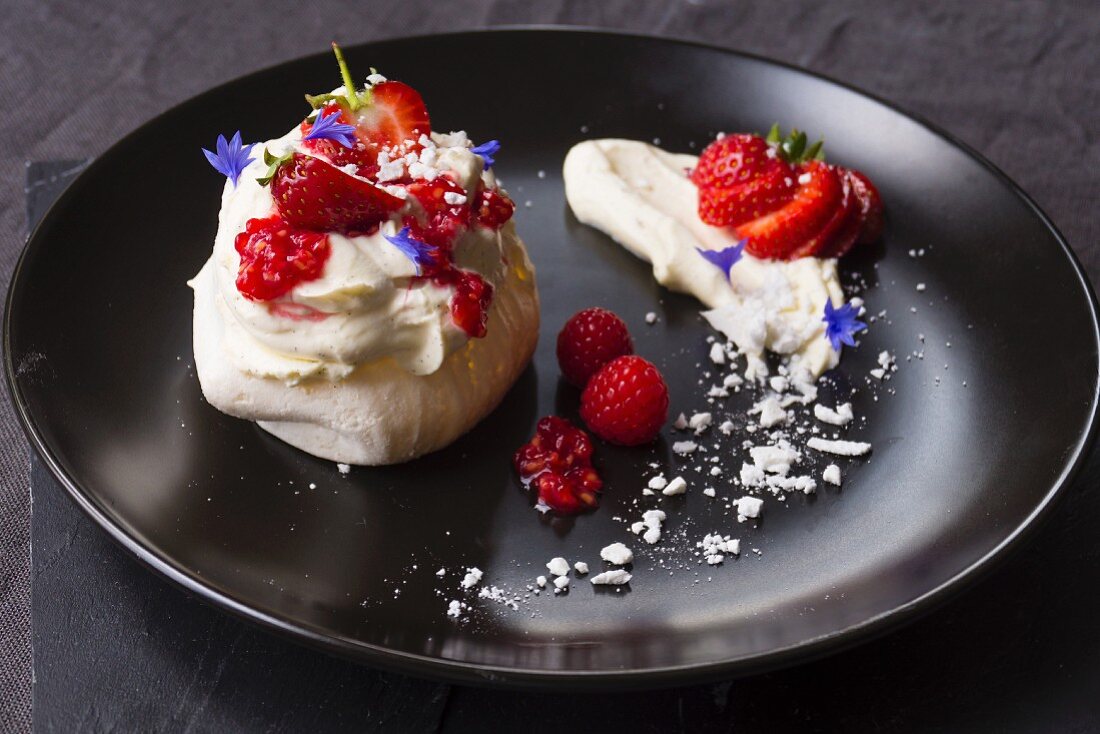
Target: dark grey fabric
(1017, 80)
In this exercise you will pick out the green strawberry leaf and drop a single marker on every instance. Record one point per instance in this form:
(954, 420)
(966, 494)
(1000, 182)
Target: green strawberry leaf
(793, 148)
(353, 98)
(317, 101)
(273, 163)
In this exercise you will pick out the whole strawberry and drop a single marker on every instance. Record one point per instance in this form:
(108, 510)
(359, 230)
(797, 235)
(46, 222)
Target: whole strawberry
(589, 340)
(626, 402)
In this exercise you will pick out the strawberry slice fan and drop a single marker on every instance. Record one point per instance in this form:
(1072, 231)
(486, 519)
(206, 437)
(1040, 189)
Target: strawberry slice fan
(780, 195)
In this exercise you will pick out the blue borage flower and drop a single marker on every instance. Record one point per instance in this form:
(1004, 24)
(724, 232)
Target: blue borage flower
(231, 157)
(841, 324)
(326, 127)
(419, 252)
(724, 259)
(487, 151)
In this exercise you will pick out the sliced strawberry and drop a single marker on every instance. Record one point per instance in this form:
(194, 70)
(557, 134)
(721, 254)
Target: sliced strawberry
(312, 194)
(395, 114)
(780, 234)
(363, 154)
(734, 160)
(870, 205)
(730, 206)
(845, 236)
(842, 228)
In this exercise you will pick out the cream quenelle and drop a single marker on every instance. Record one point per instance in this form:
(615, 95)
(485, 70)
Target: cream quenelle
(410, 312)
(641, 197)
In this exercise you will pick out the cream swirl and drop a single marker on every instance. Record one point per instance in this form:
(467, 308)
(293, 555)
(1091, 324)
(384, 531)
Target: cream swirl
(641, 197)
(366, 305)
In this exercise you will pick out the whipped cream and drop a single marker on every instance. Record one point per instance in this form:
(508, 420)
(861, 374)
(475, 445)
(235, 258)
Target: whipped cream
(641, 197)
(379, 413)
(364, 365)
(364, 306)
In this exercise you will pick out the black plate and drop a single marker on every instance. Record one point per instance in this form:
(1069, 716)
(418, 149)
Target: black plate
(972, 443)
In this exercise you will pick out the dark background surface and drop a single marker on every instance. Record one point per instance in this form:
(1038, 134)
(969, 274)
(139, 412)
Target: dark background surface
(117, 648)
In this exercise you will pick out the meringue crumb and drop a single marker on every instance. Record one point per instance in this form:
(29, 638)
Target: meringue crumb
(840, 448)
(618, 554)
(472, 578)
(839, 417)
(676, 486)
(748, 507)
(558, 566)
(684, 447)
(616, 577)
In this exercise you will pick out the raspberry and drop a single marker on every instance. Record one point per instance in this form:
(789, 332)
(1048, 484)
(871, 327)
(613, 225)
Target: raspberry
(558, 462)
(494, 208)
(471, 301)
(441, 223)
(589, 340)
(626, 402)
(275, 257)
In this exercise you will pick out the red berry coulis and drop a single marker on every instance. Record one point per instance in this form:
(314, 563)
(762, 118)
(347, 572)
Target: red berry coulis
(558, 463)
(494, 208)
(275, 256)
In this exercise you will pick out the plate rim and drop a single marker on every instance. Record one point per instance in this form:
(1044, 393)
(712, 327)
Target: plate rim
(458, 671)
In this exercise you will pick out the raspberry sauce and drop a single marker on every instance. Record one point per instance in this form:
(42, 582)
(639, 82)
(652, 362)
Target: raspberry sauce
(558, 463)
(276, 257)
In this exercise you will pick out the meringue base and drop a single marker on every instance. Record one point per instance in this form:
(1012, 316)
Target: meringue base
(380, 413)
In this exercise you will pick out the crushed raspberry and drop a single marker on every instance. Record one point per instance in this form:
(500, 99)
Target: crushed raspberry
(277, 253)
(276, 257)
(441, 223)
(470, 304)
(558, 463)
(493, 208)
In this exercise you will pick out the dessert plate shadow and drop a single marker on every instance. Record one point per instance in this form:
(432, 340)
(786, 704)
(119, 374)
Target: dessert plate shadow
(972, 443)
